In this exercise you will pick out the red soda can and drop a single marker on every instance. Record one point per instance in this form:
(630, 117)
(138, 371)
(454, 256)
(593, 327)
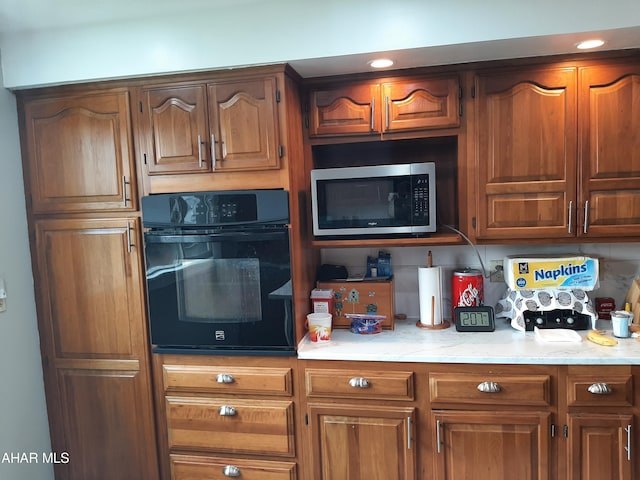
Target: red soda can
(467, 289)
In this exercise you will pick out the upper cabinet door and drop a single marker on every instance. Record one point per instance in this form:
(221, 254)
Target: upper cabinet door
(401, 105)
(526, 153)
(175, 130)
(90, 287)
(244, 124)
(79, 153)
(421, 104)
(609, 125)
(345, 110)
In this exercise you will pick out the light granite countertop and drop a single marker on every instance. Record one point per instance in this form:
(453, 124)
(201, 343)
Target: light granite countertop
(408, 343)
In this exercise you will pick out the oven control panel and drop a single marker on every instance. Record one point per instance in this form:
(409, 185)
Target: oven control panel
(213, 209)
(559, 318)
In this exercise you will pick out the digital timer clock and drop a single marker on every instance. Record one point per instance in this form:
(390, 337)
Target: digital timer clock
(475, 319)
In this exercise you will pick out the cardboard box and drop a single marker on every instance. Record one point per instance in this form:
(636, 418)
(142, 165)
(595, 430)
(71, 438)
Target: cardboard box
(555, 272)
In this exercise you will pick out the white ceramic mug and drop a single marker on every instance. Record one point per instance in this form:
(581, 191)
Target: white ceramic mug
(620, 321)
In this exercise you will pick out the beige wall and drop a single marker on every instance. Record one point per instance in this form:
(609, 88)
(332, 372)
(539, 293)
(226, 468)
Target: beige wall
(23, 416)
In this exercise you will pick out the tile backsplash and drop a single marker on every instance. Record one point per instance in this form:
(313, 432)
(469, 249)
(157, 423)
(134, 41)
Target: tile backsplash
(619, 265)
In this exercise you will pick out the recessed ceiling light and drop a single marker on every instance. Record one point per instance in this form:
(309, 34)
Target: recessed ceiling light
(381, 63)
(587, 44)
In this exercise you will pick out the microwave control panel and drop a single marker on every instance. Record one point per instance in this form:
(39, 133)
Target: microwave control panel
(421, 198)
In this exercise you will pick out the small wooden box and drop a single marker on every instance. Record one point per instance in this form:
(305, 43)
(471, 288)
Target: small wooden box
(367, 296)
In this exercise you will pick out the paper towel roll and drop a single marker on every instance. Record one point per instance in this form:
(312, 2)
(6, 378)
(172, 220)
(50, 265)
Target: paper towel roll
(430, 293)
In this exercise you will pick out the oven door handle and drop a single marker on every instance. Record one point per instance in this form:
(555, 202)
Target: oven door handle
(214, 237)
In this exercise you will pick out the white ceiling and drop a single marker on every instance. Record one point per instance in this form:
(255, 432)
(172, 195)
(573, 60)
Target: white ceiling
(559, 44)
(55, 41)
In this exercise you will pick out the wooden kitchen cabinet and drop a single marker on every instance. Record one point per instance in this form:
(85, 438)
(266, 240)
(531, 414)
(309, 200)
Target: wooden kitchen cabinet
(497, 445)
(609, 150)
(94, 346)
(214, 126)
(525, 158)
(354, 431)
(599, 430)
(78, 151)
(357, 443)
(492, 422)
(380, 107)
(189, 467)
(86, 245)
(244, 124)
(556, 152)
(176, 130)
(599, 446)
(263, 427)
(227, 414)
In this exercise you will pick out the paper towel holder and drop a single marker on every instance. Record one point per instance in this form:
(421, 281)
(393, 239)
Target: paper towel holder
(440, 326)
(444, 324)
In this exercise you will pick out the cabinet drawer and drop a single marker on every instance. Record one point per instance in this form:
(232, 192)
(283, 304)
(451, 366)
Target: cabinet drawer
(223, 379)
(190, 467)
(258, 426)
(359, 384)
(604, 391)
(498, 389)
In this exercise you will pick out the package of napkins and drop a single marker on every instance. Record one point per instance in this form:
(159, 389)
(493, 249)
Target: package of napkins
(557, 272)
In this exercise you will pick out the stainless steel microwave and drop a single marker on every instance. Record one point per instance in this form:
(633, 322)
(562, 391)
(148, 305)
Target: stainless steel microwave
(376, 200)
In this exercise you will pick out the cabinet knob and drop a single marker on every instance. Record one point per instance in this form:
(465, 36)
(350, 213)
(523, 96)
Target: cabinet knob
(231, 471)
(224, 378)
(600, 389)
(226, 411)
(359, 382)
(489, 387)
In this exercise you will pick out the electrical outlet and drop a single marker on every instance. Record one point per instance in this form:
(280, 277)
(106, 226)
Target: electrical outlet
(496, 271)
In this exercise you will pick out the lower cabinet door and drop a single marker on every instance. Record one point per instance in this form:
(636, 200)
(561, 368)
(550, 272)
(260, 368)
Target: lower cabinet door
(491, 445)
(362, 442)
(195, 467)
(105, 421)
(599, 446)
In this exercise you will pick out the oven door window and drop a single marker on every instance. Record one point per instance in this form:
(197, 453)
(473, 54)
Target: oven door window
(219, 290)
(230, 290)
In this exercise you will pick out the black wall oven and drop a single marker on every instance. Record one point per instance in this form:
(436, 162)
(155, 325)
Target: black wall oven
(218, 271)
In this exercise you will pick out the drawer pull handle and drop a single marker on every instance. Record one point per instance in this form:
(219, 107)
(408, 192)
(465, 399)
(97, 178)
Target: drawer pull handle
(489, 387)
(226, 411)
(224, 378)
(600, 389)
(359, 382)
(231, 471)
